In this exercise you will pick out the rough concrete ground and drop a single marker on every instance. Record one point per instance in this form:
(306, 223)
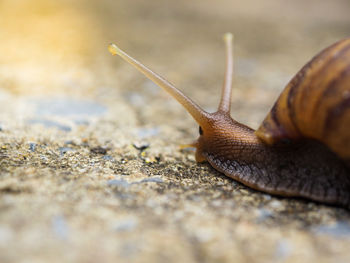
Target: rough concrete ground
(90, 165)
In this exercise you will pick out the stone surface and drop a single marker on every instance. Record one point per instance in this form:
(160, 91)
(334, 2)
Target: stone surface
(90, 164)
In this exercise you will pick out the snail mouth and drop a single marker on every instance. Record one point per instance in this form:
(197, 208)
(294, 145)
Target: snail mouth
(199, 155)
(200, 158)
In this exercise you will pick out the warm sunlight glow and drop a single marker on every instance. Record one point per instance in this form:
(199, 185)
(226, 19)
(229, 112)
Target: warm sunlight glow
(40, 39)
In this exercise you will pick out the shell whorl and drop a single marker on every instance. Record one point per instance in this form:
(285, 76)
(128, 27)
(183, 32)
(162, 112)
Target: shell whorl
(316, 103)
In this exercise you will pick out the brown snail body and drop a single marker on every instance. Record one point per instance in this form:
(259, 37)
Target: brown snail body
(302, 148)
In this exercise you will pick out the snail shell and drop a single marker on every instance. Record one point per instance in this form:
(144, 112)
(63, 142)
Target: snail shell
(316, 103)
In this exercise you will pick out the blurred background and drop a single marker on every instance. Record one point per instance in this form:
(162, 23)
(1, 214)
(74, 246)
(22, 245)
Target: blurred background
(70, 113)
(59, 47)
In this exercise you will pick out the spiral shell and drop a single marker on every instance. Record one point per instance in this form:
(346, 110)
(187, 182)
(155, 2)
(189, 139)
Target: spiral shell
(316, 103)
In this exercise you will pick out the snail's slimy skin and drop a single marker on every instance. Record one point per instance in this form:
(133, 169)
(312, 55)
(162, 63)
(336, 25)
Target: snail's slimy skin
(302, 149)
(306, 168)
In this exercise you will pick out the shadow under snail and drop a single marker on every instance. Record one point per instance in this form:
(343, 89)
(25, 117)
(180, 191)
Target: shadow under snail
(302, 148)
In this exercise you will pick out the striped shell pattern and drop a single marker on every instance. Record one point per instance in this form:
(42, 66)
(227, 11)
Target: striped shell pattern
(316, 103)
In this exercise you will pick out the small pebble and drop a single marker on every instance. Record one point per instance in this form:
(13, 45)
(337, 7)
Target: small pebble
(98, 150)
(107, 158)
(44, 158)
(64, 150)
(32, 147)
(141, 146)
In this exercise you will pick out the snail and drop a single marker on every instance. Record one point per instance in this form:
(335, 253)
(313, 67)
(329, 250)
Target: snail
(301, 149)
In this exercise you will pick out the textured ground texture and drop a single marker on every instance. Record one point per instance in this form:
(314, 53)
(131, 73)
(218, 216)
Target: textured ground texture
(90, 164)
